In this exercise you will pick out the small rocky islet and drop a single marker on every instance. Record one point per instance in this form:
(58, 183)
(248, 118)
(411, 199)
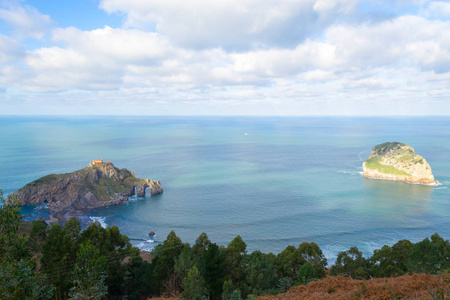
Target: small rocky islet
(398, 161)
(72, 194)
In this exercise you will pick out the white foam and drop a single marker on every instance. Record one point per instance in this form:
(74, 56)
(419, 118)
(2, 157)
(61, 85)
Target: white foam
(41, 207)
(351, 172)
(101, 220)
(145, 245)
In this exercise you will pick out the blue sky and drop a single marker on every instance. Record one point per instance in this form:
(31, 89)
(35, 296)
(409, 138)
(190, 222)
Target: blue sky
(225, 57)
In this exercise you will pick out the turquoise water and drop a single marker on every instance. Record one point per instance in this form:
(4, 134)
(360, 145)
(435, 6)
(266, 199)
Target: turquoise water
(274, 181)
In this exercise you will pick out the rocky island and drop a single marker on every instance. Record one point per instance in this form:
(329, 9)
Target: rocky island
(397, 161)
(97, 185)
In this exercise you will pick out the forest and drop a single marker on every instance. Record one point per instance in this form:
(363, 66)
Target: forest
(38, 261)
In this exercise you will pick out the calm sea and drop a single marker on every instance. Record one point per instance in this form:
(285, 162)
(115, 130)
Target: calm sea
(274, 181)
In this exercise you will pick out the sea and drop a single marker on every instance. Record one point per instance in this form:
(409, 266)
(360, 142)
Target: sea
(275, 181)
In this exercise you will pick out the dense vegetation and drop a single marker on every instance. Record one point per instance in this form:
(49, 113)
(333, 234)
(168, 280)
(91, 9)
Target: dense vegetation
(54, 262)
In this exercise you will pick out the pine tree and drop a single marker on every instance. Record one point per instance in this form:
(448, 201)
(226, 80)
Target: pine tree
(194, 287)
(89, 274)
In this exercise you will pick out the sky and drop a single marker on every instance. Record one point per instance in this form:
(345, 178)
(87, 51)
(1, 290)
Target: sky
(225, 57)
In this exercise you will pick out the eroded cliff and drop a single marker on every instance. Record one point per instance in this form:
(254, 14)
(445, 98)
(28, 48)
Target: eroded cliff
(94, 186)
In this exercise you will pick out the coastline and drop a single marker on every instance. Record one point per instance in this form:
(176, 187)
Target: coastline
(435, 183)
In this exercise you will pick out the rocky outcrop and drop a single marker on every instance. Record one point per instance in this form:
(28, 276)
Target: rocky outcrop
(77, 192)
(397, 161)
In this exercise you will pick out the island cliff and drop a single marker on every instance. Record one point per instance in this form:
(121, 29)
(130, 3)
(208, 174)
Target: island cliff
(94, 186)
(397, 161)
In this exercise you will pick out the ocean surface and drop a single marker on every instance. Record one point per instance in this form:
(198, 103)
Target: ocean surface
(276, 181)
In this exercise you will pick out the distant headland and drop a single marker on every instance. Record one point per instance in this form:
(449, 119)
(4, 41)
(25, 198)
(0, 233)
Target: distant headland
(97, 185)
(398, 161)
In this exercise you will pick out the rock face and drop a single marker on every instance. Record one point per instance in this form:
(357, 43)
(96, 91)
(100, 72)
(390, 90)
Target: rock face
(397, 161)
(94, 186)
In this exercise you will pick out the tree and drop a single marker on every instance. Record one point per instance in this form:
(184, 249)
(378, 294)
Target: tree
(165, 277)
(306, 273)
(89, 274)
(400, 255)
(234, 253)
(72, 230)
(214, 270)
(201, 245)
(443, 252)
(383, 264)
(53, 260)
(350, 263)
(287, 263)
(311, 253)
(116, 247)
(185, 261)
(13, 244)
(199, 248)
(259, 273)
(139, 282)
(194, 287)
(229, 292)
(18, 276)
(19, 280)
(430, 256)
(38, 235)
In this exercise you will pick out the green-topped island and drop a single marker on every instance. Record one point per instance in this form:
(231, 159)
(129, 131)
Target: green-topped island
(398, 161)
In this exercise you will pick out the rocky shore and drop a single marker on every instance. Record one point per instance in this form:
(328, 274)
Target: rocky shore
(398, 161)
(94, 186)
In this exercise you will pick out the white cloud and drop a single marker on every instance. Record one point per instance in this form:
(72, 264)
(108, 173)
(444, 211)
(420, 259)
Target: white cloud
(97, 59)
(117, 45)
(232, 24)
(111, 58)
(264, 56)
(10, 50)
(438, 9)
(26, 20)
(404, 41)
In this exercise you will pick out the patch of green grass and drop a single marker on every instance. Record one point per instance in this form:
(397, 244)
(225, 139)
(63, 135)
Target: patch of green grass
(374, 164)
(47, 179)
(100, 192)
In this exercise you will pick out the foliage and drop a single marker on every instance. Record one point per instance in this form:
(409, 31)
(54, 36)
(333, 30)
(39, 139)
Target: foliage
(287, 263)
(259, 273)
(194, 287)
(89, 274)
(17, 269)
(165, 277)
(90, 264)
(13, 245)
(54, 261)
(38, 235)
(229, 292)
(351, 263)
(284, 284)
(20, 281)
(214, 270)
(430, 256)
(306, 273)
(185, 261)
(234, 253)
(312, 254)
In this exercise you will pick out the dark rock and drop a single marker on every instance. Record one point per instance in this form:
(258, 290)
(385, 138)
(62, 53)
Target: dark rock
(95, 186)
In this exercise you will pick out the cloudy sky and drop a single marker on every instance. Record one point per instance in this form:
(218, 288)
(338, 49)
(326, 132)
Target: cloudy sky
(225, 57)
